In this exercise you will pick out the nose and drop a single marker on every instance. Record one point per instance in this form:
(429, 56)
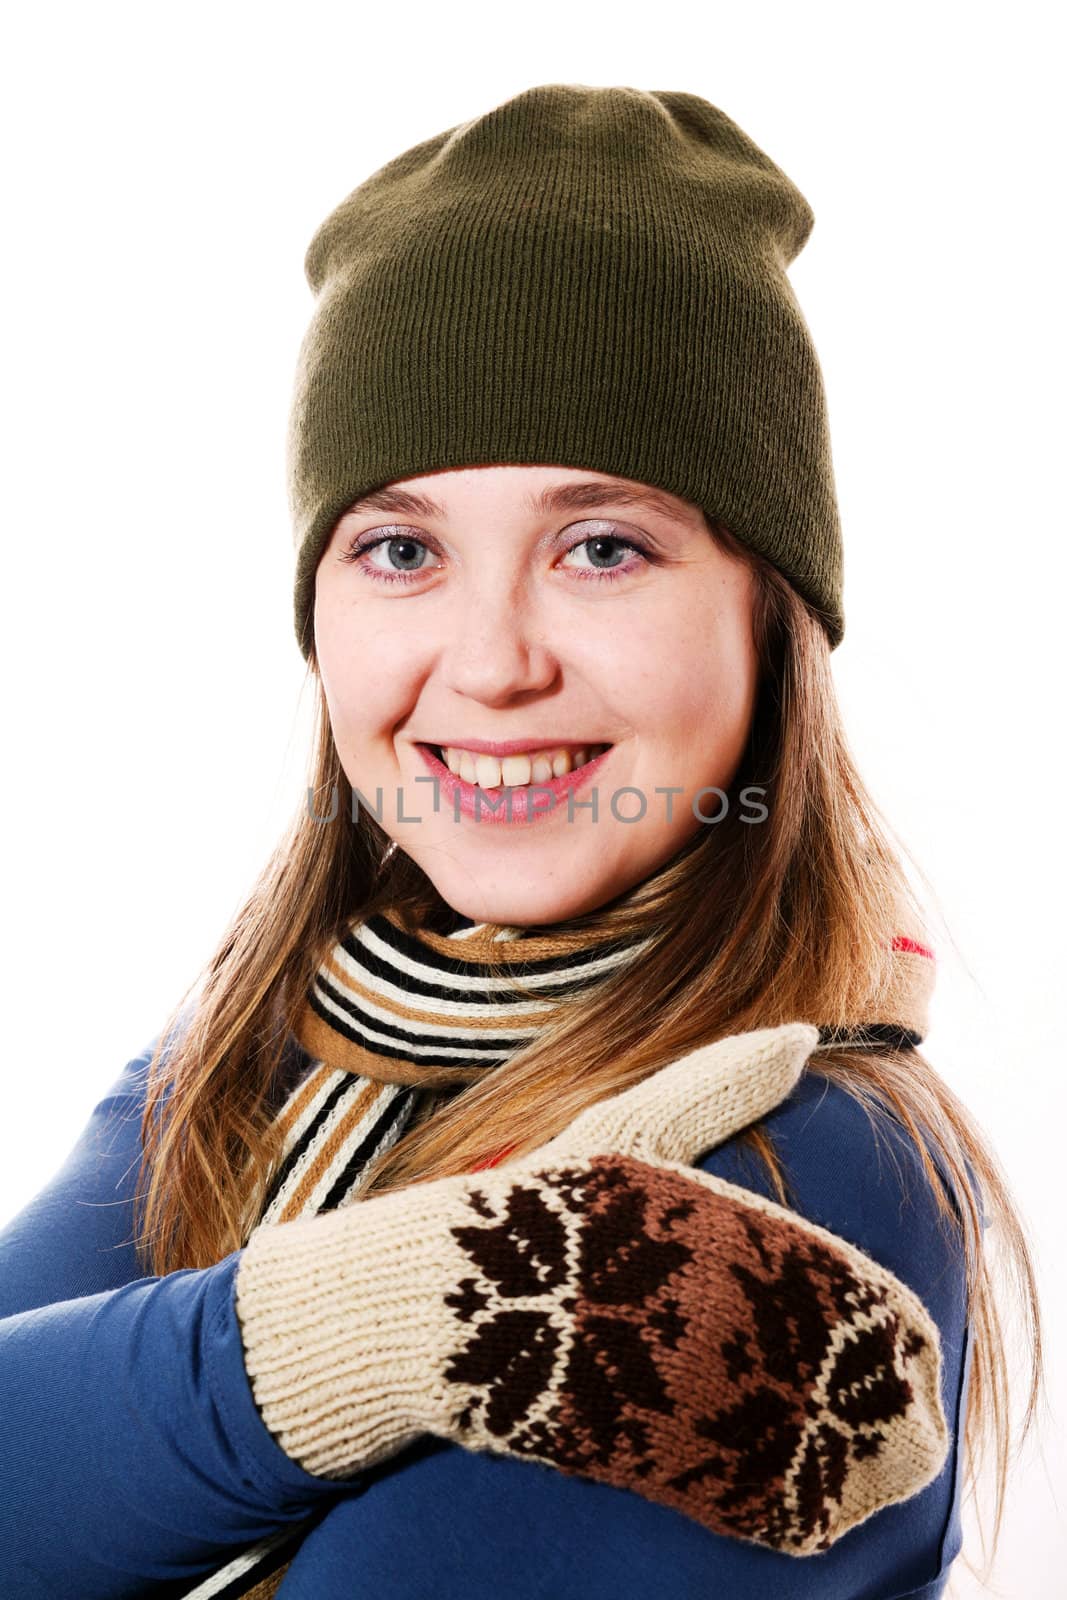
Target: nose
(497, 645)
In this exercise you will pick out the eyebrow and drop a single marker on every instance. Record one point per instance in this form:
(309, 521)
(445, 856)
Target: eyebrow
(562, 497)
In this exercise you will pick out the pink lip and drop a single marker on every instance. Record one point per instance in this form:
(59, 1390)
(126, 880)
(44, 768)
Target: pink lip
(515, 747)
(528, 804)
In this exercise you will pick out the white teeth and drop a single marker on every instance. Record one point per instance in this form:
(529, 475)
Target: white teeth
(515, 770)
(540, 766)
(487, 770)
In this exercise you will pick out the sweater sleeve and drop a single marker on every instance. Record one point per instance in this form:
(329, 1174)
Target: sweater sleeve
(75, 1237)
(131, 1451)
(444, 1520)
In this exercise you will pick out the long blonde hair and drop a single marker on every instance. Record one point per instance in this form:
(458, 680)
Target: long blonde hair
(805, 908)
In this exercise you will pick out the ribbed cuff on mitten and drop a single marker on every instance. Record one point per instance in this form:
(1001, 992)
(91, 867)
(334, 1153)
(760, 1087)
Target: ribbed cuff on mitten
(337, 1316)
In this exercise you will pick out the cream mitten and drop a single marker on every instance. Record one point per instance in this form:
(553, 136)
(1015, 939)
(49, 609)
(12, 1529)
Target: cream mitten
(605, 1308)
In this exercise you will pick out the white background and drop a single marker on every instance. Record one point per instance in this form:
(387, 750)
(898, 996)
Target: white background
(164, 171)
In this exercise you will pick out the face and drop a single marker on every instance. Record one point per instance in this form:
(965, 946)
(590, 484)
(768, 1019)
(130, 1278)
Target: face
(604, 641)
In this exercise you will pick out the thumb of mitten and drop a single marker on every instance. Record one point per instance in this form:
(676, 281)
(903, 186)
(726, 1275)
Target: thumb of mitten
(696, 1102)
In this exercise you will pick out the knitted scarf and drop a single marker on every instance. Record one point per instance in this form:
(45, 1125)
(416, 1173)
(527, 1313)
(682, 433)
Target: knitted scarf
(394, 1019)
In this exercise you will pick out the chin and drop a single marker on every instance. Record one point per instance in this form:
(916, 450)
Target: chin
(523, 905)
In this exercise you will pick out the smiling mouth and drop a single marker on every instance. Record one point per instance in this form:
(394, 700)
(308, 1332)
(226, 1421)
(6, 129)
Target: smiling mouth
(516, 771)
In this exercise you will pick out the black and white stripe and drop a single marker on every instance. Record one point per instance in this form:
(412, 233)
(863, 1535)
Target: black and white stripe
(379, 975)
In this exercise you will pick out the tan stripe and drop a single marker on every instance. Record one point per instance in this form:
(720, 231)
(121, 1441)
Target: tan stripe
(320, 1039)
(498, 1016)
(329, 1148)
(268, 1587)
(484, 945)
(294, 1106)
(907, 1000)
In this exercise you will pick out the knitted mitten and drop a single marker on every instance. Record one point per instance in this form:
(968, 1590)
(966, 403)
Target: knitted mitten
(604, 1307)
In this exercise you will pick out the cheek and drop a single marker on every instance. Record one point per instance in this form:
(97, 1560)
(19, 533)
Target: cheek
(717, 694)
(696, 694)
(368, 673)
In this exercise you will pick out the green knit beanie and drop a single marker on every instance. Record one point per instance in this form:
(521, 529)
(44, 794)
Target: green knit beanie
(587, 277)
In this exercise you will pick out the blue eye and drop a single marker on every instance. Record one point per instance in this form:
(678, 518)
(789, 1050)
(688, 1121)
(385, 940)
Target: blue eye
(402, 557)
(401, 548)
(602, 546)
(607, 557)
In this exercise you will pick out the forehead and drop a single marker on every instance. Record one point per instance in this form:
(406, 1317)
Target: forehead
(573, 496)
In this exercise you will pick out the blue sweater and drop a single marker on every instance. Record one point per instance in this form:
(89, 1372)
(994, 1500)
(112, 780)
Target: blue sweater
(133, 1454)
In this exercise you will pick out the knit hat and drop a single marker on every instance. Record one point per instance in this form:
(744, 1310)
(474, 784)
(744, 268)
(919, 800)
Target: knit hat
(584, 276)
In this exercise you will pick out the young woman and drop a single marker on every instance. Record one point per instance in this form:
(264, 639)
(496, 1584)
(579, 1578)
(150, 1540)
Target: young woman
(544, 1191)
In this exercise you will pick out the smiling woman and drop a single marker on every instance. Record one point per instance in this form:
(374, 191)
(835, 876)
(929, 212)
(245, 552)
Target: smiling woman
(495, 634)
(505, 1211)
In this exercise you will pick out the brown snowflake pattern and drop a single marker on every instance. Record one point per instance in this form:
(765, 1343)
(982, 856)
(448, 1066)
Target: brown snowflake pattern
(696, 1344)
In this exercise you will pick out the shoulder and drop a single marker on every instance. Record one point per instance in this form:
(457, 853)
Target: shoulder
(74, 1236)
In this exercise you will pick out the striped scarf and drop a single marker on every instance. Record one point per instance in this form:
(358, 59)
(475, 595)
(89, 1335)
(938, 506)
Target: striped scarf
(396, 1018)
(393, 1016)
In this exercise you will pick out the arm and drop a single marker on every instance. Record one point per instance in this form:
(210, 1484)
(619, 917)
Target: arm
(184, 1468)
(130, 1449)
